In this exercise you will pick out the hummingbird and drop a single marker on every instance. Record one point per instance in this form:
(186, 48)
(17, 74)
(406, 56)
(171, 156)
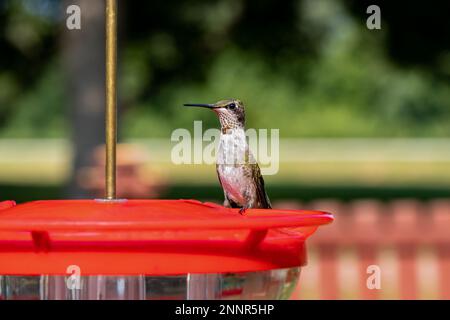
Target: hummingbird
(237, 170)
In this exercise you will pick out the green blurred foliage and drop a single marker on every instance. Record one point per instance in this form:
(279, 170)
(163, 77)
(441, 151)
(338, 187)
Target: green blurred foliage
(310, 68)
(27, 46)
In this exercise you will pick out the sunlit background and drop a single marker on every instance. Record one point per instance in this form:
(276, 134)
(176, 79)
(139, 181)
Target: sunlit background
(363, 114)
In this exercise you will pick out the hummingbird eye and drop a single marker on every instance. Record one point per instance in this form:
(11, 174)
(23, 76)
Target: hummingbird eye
(232, 106)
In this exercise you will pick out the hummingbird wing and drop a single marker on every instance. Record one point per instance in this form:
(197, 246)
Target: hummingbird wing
(258, 182)
(253, 171)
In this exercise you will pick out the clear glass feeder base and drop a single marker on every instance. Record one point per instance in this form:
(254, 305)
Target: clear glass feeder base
(272, 284)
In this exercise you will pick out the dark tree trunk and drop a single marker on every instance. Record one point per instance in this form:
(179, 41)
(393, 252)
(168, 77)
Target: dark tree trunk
(84, 56)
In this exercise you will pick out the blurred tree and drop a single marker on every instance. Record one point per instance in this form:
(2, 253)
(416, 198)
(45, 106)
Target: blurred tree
(287, 60)
(27, 46)
(417, 33)
(84, 56)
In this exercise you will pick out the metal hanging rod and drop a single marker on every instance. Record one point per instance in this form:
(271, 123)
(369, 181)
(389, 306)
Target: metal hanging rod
(111, 99)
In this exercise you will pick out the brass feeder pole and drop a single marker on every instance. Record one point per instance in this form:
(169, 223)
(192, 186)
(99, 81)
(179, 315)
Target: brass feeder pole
(111, 98)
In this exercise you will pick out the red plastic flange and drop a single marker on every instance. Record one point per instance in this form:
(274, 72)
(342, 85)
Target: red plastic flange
(152, 237)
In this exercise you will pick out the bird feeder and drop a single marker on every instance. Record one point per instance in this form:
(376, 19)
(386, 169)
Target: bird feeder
(148, 249)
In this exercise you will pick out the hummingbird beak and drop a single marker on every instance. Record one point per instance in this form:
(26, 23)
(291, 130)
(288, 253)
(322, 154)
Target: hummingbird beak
(201, 105)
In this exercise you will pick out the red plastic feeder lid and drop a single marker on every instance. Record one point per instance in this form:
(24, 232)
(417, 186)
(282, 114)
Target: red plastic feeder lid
(152, 237)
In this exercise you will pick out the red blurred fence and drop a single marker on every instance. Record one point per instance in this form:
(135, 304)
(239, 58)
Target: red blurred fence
(368, 229)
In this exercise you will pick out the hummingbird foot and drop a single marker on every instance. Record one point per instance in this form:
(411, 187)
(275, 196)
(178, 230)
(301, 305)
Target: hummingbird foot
(242, 211)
